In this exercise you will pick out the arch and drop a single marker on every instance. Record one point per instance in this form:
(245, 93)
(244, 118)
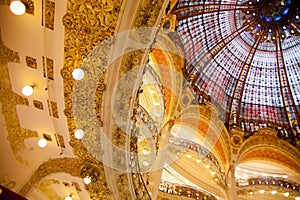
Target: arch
(269, 148)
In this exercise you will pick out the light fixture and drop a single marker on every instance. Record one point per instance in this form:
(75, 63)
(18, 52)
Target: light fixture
(145, 152)
(42, 143)
(188, 155)
(146, 163)
(17, 7)
(273, 192)
(79, 133)
(261, 191)
(28, 90)
(78, 74)
(68, 197)
(286, 194)
(284, 176)
(198, 161)
(87, 180)
(251, 193)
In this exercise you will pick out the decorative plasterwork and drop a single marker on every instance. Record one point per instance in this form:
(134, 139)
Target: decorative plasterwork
(269, 148)
(31, 62)
(87, 24)
(9, 100)
(49, 14)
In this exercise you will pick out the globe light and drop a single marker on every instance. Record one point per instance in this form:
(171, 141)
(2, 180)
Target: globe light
(87, 180)
(42, 143)
(261, 191)
(78, 74)
(286, 194)
(17, 7)
(27, 90)
(68, 198)
(79, 134)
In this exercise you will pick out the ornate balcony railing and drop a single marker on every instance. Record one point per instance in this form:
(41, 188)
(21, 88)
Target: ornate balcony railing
(203, 153)
(184, 190)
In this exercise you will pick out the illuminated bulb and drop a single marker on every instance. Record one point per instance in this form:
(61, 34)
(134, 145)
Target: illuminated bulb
(87, 180)
(216, 179)
(198, 161)
(17, 7)
(188, 156)
(261, 191)
(257, 33)
(157, 103)
(254, 14)
(297, 16)
(151, 91)
(42, 143)
(251, 193)
(292, 31)
(27, 90)
(286, 194)
(284, 27)
(78, 74)
(248, 11)
(282, 36)
(273, 38)
(270, 30)
(213, 173)
(285, 176)
(145, 152)
(265, 37)
(273, 192)
(79, 134)
(258, 25)
(207, 166)
(68, 198)
(248, 20)
(146, 163)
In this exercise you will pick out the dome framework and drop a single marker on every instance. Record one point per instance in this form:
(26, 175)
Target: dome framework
(245, 56)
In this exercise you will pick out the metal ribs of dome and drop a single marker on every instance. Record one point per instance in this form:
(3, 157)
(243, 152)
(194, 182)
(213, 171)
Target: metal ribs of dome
(249, 66)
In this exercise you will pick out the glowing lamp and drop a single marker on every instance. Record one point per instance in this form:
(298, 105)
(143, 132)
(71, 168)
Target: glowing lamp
(27, 90)
(42, 143)
(17, 7)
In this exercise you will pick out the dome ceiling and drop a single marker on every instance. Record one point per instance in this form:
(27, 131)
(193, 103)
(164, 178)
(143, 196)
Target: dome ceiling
(246, 56)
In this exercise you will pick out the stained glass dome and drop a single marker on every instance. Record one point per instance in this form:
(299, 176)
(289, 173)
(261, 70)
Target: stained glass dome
(246, 56)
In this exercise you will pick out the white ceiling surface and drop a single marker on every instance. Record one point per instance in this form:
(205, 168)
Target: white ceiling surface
(25, 35)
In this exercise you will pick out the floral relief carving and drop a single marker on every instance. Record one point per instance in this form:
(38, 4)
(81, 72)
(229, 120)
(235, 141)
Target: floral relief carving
(16, 134)
(87, 24)
(49, 14)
